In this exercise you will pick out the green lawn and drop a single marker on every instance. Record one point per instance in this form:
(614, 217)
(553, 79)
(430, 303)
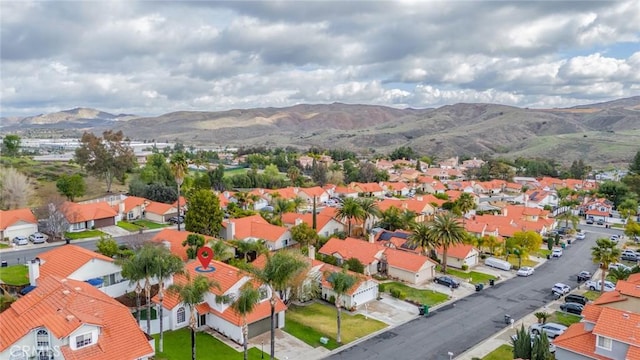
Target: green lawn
(591, 295)
(564, 318)
(84, 234)
(525, 262)
(311, 322)
(3, 246)
(149, 224)
(476, 277)
(177, 346)
(504, 352)
(543, 253)
(235, 171)
(15, 275)
(128, 226)
(427, 297)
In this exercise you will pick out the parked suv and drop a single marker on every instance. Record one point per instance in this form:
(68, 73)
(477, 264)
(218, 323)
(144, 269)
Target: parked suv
(38, 238)
(577, 299)
(584, 276)
(553, 330)
(561, 289)
(447, 281)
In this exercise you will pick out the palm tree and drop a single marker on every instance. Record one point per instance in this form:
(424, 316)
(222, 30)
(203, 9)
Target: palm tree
(604, 253)
(280, 269)
(619, 273)
(448, 231)
(568, 216)
(132, 270)
(244, 304)
(350, 210)
(168, 265)
(421, 236)
(369, 207)
(142, 266)
(179, 168)
(391, 219)
(465, 203)
(221, 251)
(192, 293)
(341, 282)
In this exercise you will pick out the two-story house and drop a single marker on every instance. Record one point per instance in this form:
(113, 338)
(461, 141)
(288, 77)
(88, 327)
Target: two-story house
(253, 228)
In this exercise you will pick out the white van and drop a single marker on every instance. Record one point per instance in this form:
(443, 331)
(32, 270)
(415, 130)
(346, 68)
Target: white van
(497, 263)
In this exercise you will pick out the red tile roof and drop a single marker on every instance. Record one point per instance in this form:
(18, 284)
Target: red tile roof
(460, 251)
(62, 306)
(131, 202)
(352, 248)
(620, 325)
(321, 219)
(175, 239)
(407, 260)
(76, 213)
(155, 207)
(63, 261)
(578, 340)
(255, 227)
(326, 270)
(11, 217)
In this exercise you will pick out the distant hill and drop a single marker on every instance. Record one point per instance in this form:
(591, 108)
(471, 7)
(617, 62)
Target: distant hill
(66, 118)
(603, 134)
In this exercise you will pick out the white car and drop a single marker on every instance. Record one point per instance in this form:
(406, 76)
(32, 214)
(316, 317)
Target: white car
(619, 266)
(21, 240)
(525, 271)
(552, 330)
(594, 285)
(38, 238)
(580, 236)
(556, 253)
(561, 289)
(614, 238)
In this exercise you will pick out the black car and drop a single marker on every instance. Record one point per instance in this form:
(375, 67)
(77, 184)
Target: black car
(176, 219)
(584, 276)
(572, 308)
(589, 221)
(447, 281)
(600, 222)
(576, 299)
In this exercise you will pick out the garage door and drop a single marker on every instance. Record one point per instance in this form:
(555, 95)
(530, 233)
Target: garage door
(100, 223)
(261, 327)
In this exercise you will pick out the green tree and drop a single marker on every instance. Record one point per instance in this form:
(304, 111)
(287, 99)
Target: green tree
(619, 273)
(350, 211)
(247, 300)
(521, 344)
(628, 207)
(294, 175)
(422, 236)
(192, 293)
(632, 229)
(567, 217)
(391, 219)
(205, 214)
(71, 186)
(107, 158)
(107, 246)
(634, 166)
(614, 190)
(156, 171)
(278, 272)
(11, 145)
(448, 231)
(179, 169)
(355, 265)
(540, 348)
(167, 265)
(221, 251)
(340, 282)
(604, 253)
(370, 209)
(304, 234)
(193, 243)
(527, 241)
(465, 203)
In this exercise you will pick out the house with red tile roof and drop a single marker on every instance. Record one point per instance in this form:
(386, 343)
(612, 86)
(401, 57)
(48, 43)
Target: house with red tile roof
(459, 255)
(367, 253)
(396, 188)
(364, 290)
(537, 198)
(420, 205)
(70, 319)
(18, 222)
(160, 212)
(132, 207)
(598, 209)
(77, 263)
(183, 204)
(326, 225)
(307, 194)
(253, 228)
(368, 189)
(217, 315)
(345, 192)
(173, 239)
(89, 215)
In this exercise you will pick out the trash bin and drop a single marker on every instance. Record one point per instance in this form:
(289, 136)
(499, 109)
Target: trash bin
(548, 256)
(563, 245)
(425, 309)
(492, 282)
(569, 242)
(4, 263)
(507, 319)
(479, 287)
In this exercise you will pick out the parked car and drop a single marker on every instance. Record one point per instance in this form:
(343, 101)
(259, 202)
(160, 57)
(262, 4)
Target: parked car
(447, 281)
(20, 240)
(631, 252)
(38, 238)
(590, 221)
(561, 289)
(619, 266)
(577, 299)
(572, 308)
(596, 285)
(525, 271)
(600, 222)
(176, 219)
(629, 257)
(553, 330)
(584, 276)
(580, 236)
(556, 253)
(615, 238)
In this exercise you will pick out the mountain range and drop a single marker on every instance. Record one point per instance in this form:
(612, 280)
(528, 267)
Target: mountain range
(602, 134)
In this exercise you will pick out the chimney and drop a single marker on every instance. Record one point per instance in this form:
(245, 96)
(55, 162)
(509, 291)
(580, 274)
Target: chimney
(371, 238)
(166, 244)
(312, 252)
(231, 230)
(34, 271)
(419, 198)
(298, 221)
(121, 208)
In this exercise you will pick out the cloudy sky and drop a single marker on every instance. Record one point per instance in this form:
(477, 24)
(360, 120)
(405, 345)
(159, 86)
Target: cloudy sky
(150, 58)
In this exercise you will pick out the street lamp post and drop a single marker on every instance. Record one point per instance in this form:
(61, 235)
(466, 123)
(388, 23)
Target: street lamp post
(262, 349)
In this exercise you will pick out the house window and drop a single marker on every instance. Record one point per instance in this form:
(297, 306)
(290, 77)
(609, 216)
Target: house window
(264, 293)
(42, 338)
(45, 355)
(604, 343)
(83, 340)
(182, 317)
(109, 280)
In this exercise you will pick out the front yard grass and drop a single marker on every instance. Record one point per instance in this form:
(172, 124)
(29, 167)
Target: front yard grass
(503, 352)
(426, 297)
(84, 234)
(177, 346)
(525, 262)
(131, 227)
(3, 245)
(564, 318)
(149, 224)
(591, 295)
(15, 275)
(311, 322)
(476, 277)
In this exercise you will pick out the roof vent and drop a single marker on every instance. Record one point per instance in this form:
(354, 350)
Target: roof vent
(78, 288)
(65, 291)
(70, 318)
(625, 315)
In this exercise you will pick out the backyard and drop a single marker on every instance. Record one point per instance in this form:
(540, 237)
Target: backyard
(177, 346)
(311, 322)
(426, 297)
(14, 275)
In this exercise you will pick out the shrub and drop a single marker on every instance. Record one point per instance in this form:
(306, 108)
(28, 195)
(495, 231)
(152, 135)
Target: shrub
(465, 267)
(483, 256)
(380, 288)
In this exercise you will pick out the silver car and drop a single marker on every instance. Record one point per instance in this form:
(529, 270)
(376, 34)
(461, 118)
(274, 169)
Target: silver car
(38, 238)
(20, 240)
(552, 330)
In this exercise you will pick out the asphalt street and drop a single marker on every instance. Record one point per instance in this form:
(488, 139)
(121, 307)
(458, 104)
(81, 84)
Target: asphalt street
(455, 328)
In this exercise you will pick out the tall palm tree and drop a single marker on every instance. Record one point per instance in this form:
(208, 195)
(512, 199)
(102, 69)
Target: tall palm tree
(168, 265)
(245, 302)
(179, 168)
(341, 282)
(422, 237)
(568, 216)
(605, 253)
(280, 269)
(142, 267)
(132, 271)
(448, 231)
(192, 293)
(369, 207)
(465, 203)
(391, 219)
(350, 210)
